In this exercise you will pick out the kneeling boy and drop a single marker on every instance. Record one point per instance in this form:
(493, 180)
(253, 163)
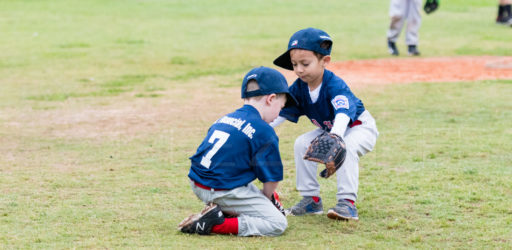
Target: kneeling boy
(239, 148)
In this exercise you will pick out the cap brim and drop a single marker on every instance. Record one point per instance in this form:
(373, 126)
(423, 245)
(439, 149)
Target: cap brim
(284, 61)
(290, 101)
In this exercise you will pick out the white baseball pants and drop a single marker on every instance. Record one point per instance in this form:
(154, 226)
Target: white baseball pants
(257, 216)
(399, 11)
(359, 140)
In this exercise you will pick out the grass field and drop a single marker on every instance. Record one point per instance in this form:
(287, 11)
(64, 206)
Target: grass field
(102, 103)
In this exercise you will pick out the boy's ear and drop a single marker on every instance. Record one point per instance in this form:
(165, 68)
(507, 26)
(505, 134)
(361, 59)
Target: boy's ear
(270, 98)
(327, 60)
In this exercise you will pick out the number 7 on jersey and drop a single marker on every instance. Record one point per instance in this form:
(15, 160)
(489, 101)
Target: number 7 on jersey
(222, 138)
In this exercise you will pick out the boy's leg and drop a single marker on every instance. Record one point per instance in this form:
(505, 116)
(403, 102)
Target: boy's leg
(306, 178)
(257, 216)
(413, 22)
(307, 183)
(359, 140)
(504, 12)
(397, 13)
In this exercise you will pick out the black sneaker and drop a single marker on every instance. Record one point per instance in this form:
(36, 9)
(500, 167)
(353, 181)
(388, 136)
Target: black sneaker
(392, 48)
(203, 222)
(413, 50)
(504, 21)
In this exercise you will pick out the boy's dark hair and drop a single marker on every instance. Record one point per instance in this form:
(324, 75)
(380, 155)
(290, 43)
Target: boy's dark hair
(324, 45)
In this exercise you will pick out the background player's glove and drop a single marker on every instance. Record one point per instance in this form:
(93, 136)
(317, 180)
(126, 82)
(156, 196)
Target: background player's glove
(430, 6)
(329, 149)
(275, 200)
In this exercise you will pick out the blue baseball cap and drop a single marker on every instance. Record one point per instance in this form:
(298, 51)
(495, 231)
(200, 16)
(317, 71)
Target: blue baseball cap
(308, 39)
(270, 81)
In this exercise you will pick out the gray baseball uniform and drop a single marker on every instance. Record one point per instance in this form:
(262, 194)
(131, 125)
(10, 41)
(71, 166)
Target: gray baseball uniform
(400, 11)
(257, 216)
(359, 140)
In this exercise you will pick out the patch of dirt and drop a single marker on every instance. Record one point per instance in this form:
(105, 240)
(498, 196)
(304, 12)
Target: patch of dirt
(419, 69)
(195, 105)
(179, 110)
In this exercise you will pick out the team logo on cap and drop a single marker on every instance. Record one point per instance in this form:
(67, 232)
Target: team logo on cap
(252, 76)
(340, 101)
(294, 43)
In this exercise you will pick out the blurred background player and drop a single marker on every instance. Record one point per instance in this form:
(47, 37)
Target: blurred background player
(504, 12)
(239, 148)
(330, 105)
(401, 11)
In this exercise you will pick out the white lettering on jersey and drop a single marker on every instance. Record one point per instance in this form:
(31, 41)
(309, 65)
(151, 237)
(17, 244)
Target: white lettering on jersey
(221, 137)
(340, 101)
(235, 122)
(249, 130)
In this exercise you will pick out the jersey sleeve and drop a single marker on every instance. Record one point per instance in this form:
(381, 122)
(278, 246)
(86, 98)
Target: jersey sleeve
(267, 164)
(342, 100)
(291, 114)
(294, 112)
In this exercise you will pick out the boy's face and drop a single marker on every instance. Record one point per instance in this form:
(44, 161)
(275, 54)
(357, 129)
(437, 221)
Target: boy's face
(275, 104)
(307, 66)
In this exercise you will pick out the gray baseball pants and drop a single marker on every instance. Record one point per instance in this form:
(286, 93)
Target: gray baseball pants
(257, 216)
(400, 11)
(359, 140)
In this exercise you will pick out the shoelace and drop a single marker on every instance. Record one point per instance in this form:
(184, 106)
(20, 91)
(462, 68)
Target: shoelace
(304, 202)
(341, 203)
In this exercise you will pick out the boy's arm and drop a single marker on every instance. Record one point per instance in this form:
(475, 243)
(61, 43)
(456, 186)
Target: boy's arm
(269, 188)
(340, 124)
(276, 122)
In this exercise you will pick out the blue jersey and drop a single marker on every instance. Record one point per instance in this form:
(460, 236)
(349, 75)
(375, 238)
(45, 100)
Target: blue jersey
(334, 97)
(238, 148)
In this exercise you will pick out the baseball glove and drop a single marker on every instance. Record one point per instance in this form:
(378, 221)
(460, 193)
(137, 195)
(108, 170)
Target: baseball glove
(430, 6)
(329, 149)
(275, 200)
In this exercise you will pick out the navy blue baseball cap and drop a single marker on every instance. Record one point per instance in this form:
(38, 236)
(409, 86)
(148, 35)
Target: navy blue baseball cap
(270, 81)
(308, 39)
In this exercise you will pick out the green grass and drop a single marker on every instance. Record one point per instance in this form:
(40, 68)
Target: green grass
(433, 174)
(51, 45)
(102, 103)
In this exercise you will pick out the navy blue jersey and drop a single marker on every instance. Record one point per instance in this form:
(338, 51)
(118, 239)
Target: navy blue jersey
(334, 97)
(238, 148)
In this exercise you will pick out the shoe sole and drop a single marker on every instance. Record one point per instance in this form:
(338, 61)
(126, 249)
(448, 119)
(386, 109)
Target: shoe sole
(393, 53)
(504, 23)
(195, 217)
(289, 213)
(335, 216)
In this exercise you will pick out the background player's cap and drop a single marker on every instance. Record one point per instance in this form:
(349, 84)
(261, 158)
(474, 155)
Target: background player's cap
(270, 81)
(308, 39)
